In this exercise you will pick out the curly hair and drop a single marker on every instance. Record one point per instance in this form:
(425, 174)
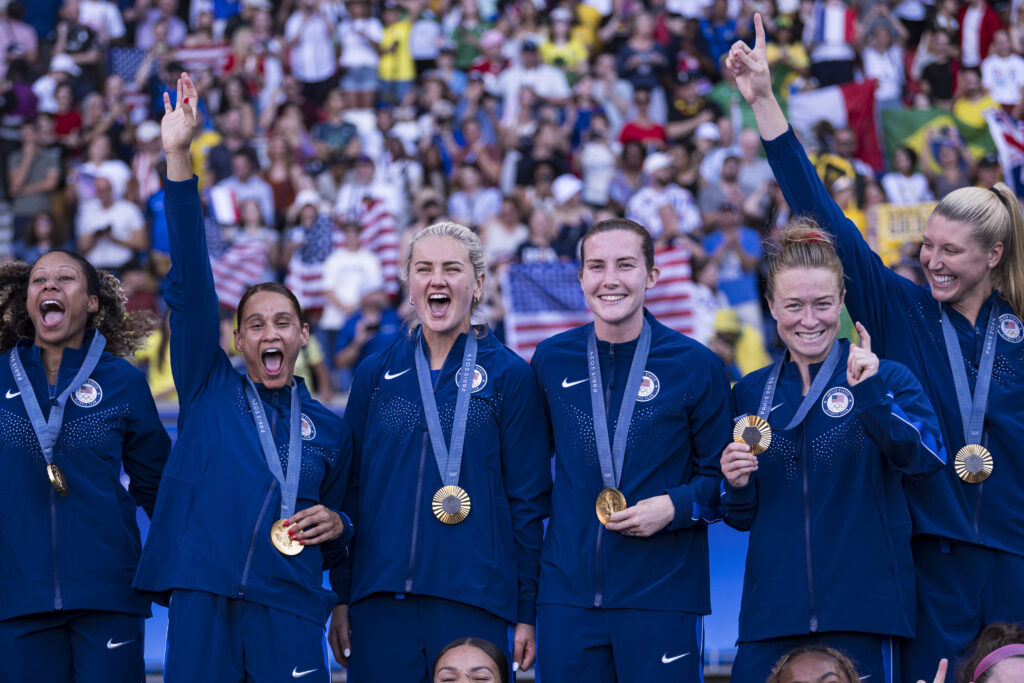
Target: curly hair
(125, 332)
(846, 669)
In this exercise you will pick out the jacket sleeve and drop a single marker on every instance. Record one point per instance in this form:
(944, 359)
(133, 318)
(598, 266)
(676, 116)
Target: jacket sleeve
(872, 283)
(526, 469)
(196, 356)
(356, 411)
(146, 447)
(697, 501)
(333, 492)
(900, 420)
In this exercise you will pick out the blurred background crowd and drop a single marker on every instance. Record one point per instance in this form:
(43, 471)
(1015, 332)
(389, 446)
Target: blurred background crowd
(334, 131)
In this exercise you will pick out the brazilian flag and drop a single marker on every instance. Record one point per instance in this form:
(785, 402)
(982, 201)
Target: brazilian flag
(909, 128)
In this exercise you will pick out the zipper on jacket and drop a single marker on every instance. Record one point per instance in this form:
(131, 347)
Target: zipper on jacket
(598, 588)
(807, 531)
(58, 601)
(252, 540)
(416, 515)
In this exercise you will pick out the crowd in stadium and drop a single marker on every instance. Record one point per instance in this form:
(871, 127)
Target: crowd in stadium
(194, 150)
(334, 131)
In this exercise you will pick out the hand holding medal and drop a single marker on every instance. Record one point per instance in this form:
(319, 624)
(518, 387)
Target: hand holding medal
(861, 364)
(738, 462)
(311, 526)
(644, 519)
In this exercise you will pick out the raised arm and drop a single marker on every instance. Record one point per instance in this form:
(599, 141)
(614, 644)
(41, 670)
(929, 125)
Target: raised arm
(196, 356)
(872, 284)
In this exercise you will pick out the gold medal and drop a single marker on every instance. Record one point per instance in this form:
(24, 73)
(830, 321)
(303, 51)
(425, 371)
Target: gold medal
(973, 463)
(753, 431)
(608, 501)
(451, 504)
(60, 484)
(284, 543)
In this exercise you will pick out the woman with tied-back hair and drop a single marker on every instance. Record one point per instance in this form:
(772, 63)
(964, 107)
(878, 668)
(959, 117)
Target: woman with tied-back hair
(961, 335)
(825, 431)
(814, 664)
(248, 513)
(453, 473)
(73, 414)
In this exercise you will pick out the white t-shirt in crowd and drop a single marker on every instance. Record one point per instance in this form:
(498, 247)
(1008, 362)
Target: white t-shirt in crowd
(349, 275)
(1003, 77)
(644, 206)
(312, 57)
(903, 190)
(970, 45)
(102, 17)
(887, 67)
(356, 51)
(123, 217)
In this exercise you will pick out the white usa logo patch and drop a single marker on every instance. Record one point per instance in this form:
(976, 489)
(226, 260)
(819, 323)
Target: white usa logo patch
(1010, 328)
(837, 402)
(479, 379)
(87, 395)
(649, 387)
(308, 428)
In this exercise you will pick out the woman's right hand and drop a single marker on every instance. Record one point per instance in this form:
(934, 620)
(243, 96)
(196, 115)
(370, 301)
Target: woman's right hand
(738, 463)
(338, 635)
(750, 67)
(179, 122)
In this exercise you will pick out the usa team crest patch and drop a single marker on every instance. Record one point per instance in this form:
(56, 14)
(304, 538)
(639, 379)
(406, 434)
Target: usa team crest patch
(479, 379)
(1010, 328)
(837, 402)
(308, 428)
(649, 387)
(87, 395)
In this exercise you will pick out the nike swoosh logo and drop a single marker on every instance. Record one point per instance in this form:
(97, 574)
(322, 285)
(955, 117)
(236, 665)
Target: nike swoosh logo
(388, 375)
(111, 645)
(777, 405)
(16, 393)
(295, 671)
(665, 659)
(566, 383)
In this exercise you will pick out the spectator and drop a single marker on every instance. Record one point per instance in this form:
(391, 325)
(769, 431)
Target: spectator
(43, 235)
(968, 108)
(948, 153)
(905, 184)
(244, 183)
(537, 247)
(309, 41)
(354, 192)
(145, 162)
(665, 209)
(689, 109)
(62, 70)
(939, 76)
(502, 234)
(218, 156)
(396, 69)
(597, 161)
(465, 36)
(830, 30)
(33, 173)
(736, 250)
(351, 273)
(1002, 74)
(17, 39)
(882, 59)
(111, 231)
(740, 346)
(978, 25)
(165, 11)
(371, 329)
(334, 135)
(547, 82)
(562, 49)
(641, 129)
(641, 61)
(719, 30)
(473, 204)
(104, 18)
(572, 218)
(359, 36)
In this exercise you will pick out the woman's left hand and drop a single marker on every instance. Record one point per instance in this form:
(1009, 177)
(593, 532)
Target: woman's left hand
(315, 525)
(646, 518)
(524, 646)
(861, 364)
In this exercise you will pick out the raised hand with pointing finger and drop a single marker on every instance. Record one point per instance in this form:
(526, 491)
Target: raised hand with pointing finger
(862, 364)
(750, 66)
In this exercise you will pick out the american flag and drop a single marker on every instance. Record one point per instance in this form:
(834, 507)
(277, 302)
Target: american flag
(379, 234)
(242, 264)
(543, 299)
(305, 274)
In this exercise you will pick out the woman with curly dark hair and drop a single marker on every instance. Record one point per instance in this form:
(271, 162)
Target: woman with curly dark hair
(74, 412)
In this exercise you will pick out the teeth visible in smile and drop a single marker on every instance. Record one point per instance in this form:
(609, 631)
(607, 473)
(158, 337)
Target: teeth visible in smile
(810, 336)
(942, 279)
(612, 297)
(438, 297)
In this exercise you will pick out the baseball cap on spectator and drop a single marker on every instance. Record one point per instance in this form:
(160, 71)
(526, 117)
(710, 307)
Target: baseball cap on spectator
(561, 14)
(989, 161)
(63, 62)
(707, 131)
(491, 38)
(147, 131)
(726, 321)
(843, 182)
(566, 187)
(655, 162)
(306, 198)
(529, 45)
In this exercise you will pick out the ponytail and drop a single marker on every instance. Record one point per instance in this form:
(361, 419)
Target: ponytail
(994, 217)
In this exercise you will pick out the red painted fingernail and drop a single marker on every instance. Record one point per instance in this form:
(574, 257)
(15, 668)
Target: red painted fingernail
(302, 543)
(186, 100)
(286, 523)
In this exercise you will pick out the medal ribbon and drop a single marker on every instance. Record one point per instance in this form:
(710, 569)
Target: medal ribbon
(47, 431)
(289, 484)
(972, 411)
(612, 456)
(449, 460)
(817, 386)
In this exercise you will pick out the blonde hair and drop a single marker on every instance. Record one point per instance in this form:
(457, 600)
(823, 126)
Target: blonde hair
(994, 216)
(469, 239)
(803, 244)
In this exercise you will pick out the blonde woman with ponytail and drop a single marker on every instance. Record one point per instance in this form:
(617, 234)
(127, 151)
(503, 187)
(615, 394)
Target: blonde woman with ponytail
(962, 336)
(827, 430)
